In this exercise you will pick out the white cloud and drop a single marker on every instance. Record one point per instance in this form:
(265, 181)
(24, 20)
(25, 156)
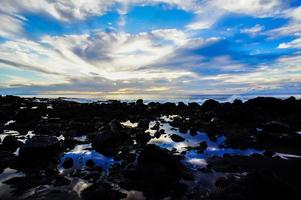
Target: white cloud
(211, 11)
(292, 28)
(148, 61)
(10, 26)
(200, 25)
(285, 70)
(101, 53)
(293, 44)
(253, 30)
(294, 25)
(258, 8)
(182, 58)
(294, 13)
(208, 11)
(174, 35)
(225, 63)
(67, 10)
(61, 9)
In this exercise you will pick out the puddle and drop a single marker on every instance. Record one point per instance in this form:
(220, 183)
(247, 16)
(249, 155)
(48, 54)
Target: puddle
(9, 122)
(286, 156)
(133, 195)
(169, 118)
(21, 138)
(29, 135)
(192, 157)
(213, 148)
(79, 185)
(40, 192)
(259, 130)
(81, 154)
(49, 107)
(17, 151)
(129, 124)
(83, 138)
(45, 117)
(61, 137)
(204, 181)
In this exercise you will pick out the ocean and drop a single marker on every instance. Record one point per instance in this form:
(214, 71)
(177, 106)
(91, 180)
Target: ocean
(163, 98)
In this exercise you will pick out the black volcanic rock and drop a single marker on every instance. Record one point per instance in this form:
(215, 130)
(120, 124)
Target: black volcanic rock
(139, 102)
(68, 163)
(202, 147)
(111, 138)
(7, 160)
(90, 163)
(142, 137)
(274, 126)
(157, 134)
(10, 142)
(143, 124)
(256, 185)
(157, 172)
(39, 148)
(177, 138)
(210, 105)
(101, 191)
(156, 126)
(115, 126)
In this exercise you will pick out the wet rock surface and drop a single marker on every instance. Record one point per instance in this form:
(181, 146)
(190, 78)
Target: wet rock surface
(58, 149)
(39, 148)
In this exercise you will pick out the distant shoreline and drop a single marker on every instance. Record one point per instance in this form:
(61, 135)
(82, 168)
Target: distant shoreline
(221, 98)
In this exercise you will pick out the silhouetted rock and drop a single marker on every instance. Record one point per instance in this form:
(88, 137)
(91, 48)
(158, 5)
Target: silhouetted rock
(108, 142)
(177, 138)
(40, 148)
(7, 160)
(10, 143)
(157, 172)
(68, 163)
(202, 147)
(90, 163)
(210, 105)
(139, 102)
(142, 137)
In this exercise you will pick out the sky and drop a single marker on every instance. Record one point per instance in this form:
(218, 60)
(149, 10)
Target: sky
(149, 47)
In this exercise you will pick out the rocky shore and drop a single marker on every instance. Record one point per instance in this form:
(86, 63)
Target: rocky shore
(58, 149)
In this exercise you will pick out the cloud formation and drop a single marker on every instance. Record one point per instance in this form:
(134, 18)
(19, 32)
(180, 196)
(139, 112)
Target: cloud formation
(93, 47)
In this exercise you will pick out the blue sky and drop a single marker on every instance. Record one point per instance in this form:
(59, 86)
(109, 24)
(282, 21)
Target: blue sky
(149, 47)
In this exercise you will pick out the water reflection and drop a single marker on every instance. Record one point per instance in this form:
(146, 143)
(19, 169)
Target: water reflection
(129, 124)
(21, 138)
(286, 156)
(83, 153)
(9, 122)
(192, 157)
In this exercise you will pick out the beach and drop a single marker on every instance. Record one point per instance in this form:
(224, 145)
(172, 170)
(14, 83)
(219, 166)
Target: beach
(61, 149)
